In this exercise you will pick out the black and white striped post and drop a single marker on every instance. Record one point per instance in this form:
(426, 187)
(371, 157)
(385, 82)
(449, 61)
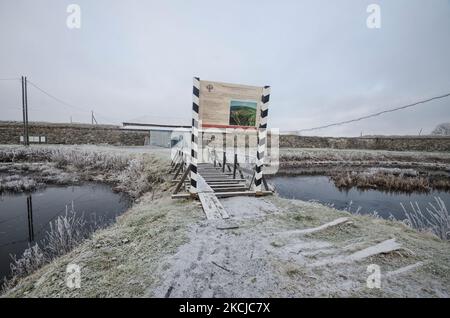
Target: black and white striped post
(262, 138)
(194, 134)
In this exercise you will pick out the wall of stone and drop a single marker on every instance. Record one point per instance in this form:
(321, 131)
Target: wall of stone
(394, 143)
(54, 133)
(10, 133)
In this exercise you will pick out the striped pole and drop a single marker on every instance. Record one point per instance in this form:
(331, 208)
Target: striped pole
(262, 138)
(194, 134)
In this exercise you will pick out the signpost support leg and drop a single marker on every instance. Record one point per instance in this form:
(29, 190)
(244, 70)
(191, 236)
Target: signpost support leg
(194, 134)
(262, 139)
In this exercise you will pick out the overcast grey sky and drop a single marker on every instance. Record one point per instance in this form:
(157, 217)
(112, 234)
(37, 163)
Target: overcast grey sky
(136, 59)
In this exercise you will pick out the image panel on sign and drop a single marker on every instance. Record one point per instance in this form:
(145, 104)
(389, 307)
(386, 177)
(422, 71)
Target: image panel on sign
(243, 113)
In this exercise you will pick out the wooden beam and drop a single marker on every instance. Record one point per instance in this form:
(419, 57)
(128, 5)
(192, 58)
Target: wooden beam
(236, 188)
(212, 206)
(213, 179)
(251, 182)
(224, 194)
(178, 171)
(240, 193)
(224, 161)
(181, 182)
(233, 189)
(226, 185)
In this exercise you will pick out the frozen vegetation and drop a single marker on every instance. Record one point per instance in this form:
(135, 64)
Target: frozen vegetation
(370, 169)
(26, 169)
(434, 218)
(29, 176)
(17, 183)
(130, 172)
(66, 232)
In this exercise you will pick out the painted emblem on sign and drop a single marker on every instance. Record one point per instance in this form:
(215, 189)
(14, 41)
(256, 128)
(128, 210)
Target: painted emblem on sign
(209, 87)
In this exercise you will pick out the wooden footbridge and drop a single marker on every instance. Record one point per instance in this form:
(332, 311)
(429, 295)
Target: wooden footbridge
(218, 179)
(222, 110)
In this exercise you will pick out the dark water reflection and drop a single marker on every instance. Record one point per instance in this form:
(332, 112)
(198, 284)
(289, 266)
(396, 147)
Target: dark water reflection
(25, 218)
(321, 189)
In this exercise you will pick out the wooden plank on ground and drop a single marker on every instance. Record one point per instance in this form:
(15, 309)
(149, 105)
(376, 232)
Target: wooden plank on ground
(380, 248)
(322, 227)
(212, 206)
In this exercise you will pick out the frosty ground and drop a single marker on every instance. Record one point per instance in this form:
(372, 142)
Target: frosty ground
(270, 247)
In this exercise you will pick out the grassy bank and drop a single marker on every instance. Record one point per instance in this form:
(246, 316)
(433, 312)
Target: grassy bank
(165, 248)
(119, 261)
(29, 168)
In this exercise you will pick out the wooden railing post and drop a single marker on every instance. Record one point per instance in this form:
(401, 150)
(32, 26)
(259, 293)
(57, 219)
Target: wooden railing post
(234, 166)
(224, 161)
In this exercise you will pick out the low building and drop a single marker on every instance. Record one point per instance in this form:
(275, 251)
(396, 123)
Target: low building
(161, 135)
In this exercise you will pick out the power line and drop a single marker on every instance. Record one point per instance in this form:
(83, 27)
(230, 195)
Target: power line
(54, 97)
(11, 107)
(376, 114)
(68, 104)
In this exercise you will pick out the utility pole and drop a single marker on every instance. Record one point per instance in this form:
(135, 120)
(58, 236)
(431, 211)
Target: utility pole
(26, 110)
(93, 118)
(26, 140)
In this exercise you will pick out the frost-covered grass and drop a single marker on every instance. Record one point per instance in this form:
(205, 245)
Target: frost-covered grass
(386, 180)
(434, 218)
(387, 170)
(66, 232)
(121, 260)
(319, 154)
(17, 183)
(132, 172)
(64, 156)
(320, 160)
(28, 176)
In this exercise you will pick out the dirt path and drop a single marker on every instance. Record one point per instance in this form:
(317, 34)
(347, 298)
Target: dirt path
(221, 260)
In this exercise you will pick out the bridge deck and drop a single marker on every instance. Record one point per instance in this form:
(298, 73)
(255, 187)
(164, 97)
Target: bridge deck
(216, 182)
